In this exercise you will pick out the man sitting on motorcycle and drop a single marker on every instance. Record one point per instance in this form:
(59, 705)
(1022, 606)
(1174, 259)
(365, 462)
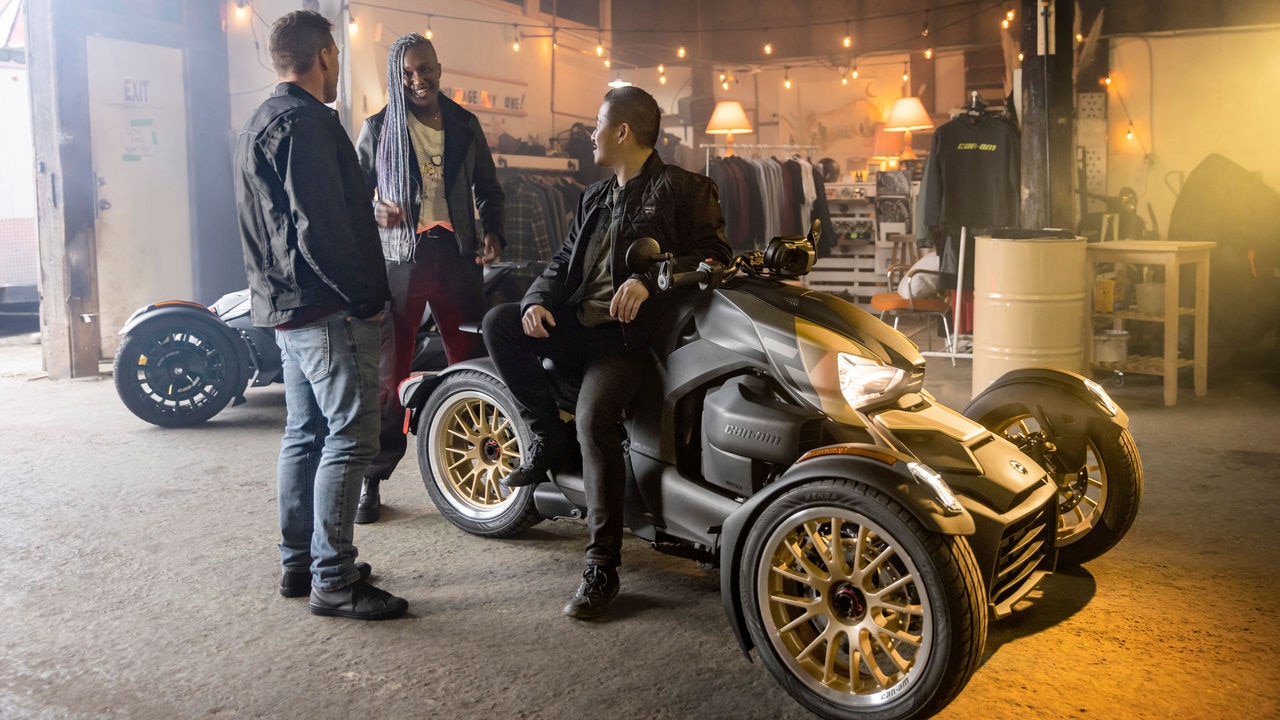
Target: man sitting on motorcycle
(593, 318)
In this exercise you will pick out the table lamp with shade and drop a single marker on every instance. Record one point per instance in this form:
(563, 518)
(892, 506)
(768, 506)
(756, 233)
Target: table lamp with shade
(728, 119)
(906, 116)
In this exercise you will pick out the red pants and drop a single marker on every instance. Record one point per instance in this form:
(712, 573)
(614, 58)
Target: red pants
(453, 285)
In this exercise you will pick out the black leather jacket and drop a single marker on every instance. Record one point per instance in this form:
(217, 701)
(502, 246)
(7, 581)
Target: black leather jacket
(678, 208)
(306, 223)
(467, 165)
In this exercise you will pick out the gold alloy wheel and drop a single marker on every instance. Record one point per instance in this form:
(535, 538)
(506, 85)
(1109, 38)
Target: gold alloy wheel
(473, 445)
(1082, 493)
(843, 606)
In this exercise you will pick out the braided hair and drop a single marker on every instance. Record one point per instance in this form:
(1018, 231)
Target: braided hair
(395, 152)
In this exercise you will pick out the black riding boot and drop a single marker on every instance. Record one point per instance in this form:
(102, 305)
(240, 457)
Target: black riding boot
(370, 506)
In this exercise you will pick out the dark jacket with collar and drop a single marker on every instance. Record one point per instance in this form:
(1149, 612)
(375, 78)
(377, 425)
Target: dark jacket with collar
(468, 166)
(306, 222)
(678, 208)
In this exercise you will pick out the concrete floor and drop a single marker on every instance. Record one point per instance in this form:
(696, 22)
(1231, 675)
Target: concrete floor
(141, 569)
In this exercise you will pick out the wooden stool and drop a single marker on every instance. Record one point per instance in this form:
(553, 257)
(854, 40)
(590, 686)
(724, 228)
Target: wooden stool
(903, 250)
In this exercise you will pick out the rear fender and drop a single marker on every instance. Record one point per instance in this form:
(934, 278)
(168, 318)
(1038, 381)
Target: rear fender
(872, 465)
(415, 389)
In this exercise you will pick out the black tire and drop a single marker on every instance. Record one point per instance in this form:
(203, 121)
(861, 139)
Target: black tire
(1098, 499)
(915, 598)
(174, 372)
(469, 436)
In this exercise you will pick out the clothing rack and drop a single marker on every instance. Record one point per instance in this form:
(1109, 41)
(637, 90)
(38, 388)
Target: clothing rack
(536, 163)
(746, 146)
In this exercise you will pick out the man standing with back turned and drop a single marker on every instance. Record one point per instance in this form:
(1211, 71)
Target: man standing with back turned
(314, 262)
(590, 314)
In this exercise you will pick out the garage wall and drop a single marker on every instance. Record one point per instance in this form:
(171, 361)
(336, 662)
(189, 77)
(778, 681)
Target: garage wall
(1189, 96)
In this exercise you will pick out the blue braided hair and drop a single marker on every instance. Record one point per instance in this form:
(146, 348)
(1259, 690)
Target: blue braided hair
(395, 150)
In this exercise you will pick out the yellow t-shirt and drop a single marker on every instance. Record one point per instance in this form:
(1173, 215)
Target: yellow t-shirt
(428, 145)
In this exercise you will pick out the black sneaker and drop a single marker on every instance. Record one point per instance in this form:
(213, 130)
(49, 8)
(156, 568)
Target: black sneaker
(599, 586)
(296, 583)
(534, 468)
(360, 601)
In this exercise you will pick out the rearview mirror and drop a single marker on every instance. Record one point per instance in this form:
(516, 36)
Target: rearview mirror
(643, 254)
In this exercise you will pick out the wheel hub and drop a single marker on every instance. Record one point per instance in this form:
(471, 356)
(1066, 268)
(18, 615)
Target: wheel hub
(491, 450)
(848, 603)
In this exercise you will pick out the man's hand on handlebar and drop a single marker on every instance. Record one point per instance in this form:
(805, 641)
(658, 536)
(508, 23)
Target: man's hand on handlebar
(536, 320)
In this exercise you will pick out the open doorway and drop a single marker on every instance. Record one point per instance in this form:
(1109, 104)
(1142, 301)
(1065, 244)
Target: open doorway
(19, 242)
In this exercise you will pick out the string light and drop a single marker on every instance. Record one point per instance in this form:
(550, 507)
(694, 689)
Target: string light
(662, 79)
(924, 31)
(608, 63)
(928, 53)
(353, 27)
(786, 79)
(1106, 80)
(906, 76)
(844, 76)
(768, 48)
(428, 34)
(515, 44)
(723, 76)
(1129, 135)
(599, 45)
(662, 69)
(848, 39)
(681, 52)
(855, 71)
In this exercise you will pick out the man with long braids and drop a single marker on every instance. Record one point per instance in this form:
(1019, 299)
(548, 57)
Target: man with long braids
(424, 156)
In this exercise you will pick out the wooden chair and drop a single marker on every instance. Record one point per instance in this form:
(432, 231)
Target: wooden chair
(893, 305)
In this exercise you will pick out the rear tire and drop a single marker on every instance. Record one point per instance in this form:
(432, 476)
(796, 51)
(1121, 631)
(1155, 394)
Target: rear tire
(891, 626)
(174, 372)
(469, 437)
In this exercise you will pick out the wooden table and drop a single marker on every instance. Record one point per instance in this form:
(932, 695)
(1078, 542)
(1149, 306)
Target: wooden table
(1171, 256)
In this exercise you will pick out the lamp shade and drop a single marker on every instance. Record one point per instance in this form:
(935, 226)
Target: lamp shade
(728, 119)
(886, 145)
(908, 114)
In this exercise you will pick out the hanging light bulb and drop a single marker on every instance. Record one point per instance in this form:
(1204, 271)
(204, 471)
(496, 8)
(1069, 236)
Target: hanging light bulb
(1129, 135)
(855, 71)
(723, 76)
(242, 9)
(768, 48)
(681, 52)
(848, 39)
(844, 79)
(1019, 57)
(515, 44)
(662, 69)
(724, 84)
(1009, 16)
(786, 79)
(608, 63)
(428, 34)
(1079, 38)
(924, 31)
(906, 76)
(1106, 80)
(662, 79)
(599, 45)
(1004, 24)
(353, 27)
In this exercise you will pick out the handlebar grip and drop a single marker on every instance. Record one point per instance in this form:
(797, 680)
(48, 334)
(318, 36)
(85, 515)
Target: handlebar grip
(693, 277)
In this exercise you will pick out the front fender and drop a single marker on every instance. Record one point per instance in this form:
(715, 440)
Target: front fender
(883, 469)
(1076, 385)
(195, 314)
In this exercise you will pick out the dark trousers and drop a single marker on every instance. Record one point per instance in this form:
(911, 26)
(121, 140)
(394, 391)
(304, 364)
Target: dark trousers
(606, 372)
(453, 284)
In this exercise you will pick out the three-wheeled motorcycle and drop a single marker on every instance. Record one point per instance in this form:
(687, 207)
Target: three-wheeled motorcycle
(864, 533)
(181, 362)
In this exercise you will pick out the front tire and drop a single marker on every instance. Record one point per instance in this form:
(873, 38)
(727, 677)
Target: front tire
(1098, 498)
(469, 437)
(174, 372)
(857, 609)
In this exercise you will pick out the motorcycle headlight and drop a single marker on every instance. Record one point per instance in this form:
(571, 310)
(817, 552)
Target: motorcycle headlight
(865, 382)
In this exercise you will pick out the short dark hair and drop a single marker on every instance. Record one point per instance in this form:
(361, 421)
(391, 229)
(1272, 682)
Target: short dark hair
(637, 108)
(296, 39)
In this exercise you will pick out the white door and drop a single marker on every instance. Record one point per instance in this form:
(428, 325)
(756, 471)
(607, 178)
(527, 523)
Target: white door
(138, 127)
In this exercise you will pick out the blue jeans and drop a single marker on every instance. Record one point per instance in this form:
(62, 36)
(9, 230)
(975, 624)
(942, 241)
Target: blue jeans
(330, 436)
